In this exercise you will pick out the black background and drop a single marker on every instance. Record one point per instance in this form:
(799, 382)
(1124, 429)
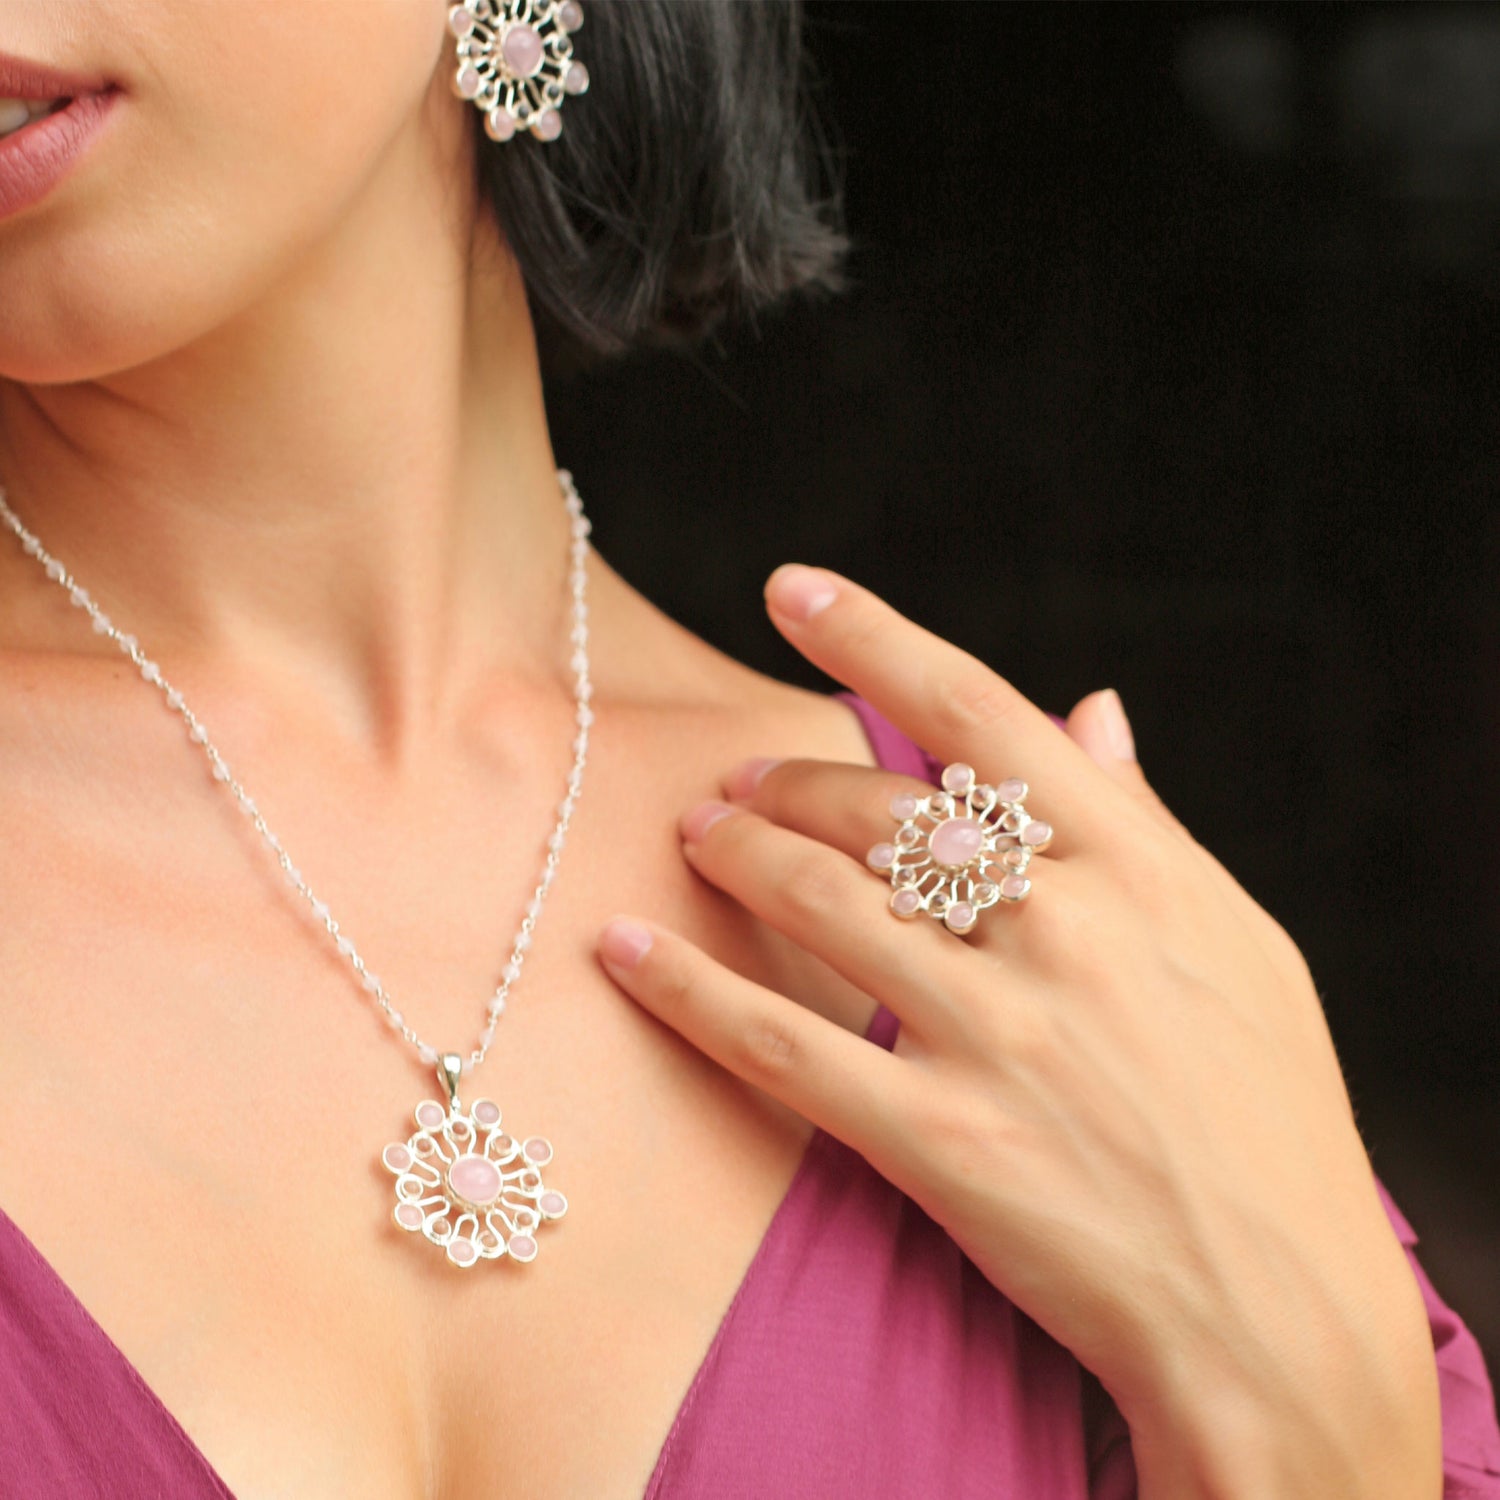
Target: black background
(1170, 363)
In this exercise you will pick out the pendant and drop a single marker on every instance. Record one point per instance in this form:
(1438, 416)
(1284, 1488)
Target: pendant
(466, 1184)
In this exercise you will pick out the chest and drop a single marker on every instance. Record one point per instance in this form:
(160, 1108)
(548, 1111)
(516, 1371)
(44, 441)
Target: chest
(194, 1093)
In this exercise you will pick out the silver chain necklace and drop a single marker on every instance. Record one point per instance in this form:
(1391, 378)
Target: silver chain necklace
(463, 1182)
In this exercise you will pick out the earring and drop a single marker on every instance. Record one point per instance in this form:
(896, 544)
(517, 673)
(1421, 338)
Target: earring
(515, 62)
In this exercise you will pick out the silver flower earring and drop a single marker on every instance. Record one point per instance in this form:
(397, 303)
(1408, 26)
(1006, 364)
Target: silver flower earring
(515, 63)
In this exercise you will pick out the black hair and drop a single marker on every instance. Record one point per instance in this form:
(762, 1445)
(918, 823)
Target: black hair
(692, 182)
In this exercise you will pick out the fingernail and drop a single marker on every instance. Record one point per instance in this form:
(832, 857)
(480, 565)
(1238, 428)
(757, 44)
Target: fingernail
(702, 818)
(743, 780)
(799, 593)
(623, 943)
(1117, 726)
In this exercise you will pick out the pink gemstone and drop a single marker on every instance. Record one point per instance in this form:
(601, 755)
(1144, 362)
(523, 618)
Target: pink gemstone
(570, 15)
(522, 50)
(486, 1111)
(547, 126)
(1036, 832)
(499, 125)
(460, 21)
(1014, 887)
(538, 1151)
(881, 857)
(396, 1157)
(408, 1216)
(576, 79)
(430, 1114)
(960, 916)
(958, 778)
(554, 1205)
(956, 841)
(906, 903)
(1013, 790)
(463, 1251)
(522, 1247)
(468, 82)
(475, 1179)
(903, 806)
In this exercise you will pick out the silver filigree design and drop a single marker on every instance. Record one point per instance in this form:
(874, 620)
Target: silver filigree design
(468, 1186)
(965, 847)
(515, 63)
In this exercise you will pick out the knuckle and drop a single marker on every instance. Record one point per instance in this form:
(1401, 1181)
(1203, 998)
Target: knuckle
(970, 699)
(962, 1136)
(769, 1047)
(673, 988)
(813, 885)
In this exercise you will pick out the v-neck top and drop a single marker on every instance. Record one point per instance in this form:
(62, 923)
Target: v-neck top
(863, 1357)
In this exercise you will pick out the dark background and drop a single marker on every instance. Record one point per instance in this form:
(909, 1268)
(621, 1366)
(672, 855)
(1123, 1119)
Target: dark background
(1170, 363)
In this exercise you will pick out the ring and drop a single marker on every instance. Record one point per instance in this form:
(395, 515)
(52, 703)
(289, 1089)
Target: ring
(965, 847)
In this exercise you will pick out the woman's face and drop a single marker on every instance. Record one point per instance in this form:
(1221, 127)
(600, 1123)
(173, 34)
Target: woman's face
(247, 134)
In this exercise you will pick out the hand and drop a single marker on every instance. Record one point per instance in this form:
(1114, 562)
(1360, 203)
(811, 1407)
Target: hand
(1119, 1096)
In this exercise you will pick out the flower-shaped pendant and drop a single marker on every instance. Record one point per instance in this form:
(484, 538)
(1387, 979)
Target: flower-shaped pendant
(468, 1185)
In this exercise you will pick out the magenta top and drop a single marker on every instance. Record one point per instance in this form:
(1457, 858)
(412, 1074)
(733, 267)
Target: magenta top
(862, 1358)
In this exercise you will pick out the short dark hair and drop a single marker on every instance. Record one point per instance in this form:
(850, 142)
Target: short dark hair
(694, 181)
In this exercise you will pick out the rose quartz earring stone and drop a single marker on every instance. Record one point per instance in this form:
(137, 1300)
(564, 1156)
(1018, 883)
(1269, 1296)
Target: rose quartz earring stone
(522, 50)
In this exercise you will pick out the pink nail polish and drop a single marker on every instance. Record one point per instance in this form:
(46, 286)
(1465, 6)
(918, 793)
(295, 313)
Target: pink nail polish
(743, 780)
(624, 943)
(1117, 726)
(702, 818)
(799, 593)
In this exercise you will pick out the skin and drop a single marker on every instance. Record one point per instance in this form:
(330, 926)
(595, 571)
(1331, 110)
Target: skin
(269, 387)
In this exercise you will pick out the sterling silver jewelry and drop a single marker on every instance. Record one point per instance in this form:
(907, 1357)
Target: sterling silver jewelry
(516, 64)
(461, 1181)
(965, 847)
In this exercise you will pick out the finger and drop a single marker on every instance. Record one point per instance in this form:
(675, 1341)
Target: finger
(843, 1083)
(834, 909)
(1099, 725)
(946, 700)
(847, 807)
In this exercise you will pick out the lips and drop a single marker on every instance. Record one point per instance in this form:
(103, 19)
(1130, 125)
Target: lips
(48, 117)
(32, 81)
(15, 114)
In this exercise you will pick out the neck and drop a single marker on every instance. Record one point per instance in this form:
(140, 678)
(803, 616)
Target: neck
(350, 480)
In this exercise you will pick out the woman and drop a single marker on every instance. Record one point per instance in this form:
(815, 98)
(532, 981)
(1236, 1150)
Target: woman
(1090, 1217)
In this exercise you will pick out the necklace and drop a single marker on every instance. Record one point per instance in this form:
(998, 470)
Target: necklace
(461, 1181)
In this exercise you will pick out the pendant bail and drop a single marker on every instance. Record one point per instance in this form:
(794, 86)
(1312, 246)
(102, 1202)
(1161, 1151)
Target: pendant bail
(450, 1065)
